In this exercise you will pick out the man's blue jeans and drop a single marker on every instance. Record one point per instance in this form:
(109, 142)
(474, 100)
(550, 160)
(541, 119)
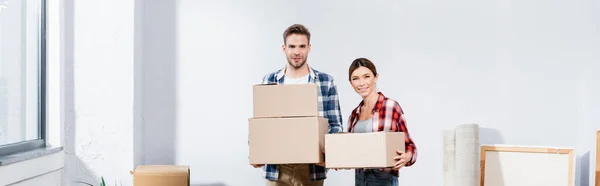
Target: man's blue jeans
(374, 177)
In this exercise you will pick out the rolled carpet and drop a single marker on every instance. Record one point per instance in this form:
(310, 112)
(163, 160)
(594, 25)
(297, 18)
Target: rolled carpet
(467, 155)
(448, 161)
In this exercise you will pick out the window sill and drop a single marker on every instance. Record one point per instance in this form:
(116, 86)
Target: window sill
(23, 166)
(23, 156)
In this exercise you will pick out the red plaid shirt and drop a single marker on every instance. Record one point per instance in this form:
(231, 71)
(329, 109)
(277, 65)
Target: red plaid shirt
(388, 115)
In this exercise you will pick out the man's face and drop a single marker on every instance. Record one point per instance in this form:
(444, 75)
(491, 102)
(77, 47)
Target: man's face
(296, 50)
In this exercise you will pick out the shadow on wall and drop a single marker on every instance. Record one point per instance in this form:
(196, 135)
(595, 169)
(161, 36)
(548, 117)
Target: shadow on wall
(489, 136)
(155, 82)
(582, 170)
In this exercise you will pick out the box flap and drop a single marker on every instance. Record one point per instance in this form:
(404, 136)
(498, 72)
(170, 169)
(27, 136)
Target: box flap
(161, 169)
(265, 84)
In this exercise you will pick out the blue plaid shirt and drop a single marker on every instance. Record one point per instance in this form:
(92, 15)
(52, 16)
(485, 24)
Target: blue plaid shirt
(329, 108)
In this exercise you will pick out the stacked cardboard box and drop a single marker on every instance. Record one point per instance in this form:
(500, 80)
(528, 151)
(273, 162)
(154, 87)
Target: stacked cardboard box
(286, 127)
(363, 150)
(161, 175)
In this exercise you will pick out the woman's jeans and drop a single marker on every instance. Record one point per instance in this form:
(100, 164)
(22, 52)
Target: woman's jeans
(374, 177)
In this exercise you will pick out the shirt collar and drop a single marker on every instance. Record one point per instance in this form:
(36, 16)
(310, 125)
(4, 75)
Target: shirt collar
(311, 74)
(378, 106)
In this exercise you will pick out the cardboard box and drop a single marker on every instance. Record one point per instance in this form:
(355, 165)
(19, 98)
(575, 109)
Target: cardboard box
(285, 100)
(598, 158)
(161, 175)
(362, 150)
(297, 140)
(598, 178)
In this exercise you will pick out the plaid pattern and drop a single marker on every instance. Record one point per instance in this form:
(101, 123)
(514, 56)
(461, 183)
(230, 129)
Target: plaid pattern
(387, 116)
(329, 108)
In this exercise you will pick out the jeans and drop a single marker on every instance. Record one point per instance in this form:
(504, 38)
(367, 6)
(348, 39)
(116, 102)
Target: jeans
(374, 177)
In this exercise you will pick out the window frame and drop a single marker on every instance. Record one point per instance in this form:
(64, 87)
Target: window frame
(28, 145)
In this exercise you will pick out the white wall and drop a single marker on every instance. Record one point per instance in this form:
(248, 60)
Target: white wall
(523, 70)
(97, 65)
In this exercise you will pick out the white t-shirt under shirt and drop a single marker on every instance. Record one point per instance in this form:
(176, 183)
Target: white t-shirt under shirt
(301, 80)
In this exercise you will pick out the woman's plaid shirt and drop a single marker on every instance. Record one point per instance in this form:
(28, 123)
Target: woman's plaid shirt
(387, 116)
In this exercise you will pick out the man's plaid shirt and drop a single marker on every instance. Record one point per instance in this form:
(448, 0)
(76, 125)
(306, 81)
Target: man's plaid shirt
(329, 108)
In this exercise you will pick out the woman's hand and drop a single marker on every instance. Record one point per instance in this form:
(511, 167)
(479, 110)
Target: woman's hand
(257, 165)
(401, 159)
(338, 169)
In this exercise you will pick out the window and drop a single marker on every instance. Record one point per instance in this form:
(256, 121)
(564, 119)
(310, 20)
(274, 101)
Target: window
(22, 75)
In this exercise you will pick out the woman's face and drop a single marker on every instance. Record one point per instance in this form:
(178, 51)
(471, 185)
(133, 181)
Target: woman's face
(363, 81)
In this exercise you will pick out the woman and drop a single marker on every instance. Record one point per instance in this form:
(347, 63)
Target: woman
(375, 113)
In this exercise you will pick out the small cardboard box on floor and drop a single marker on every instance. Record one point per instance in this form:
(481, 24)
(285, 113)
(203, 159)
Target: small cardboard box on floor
(363, 150)
(161, 175)
(286, 128)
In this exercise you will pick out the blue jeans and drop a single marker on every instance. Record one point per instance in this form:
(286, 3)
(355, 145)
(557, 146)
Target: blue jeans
(374, 177)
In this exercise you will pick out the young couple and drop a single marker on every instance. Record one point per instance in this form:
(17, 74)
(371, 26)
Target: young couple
(375, 108)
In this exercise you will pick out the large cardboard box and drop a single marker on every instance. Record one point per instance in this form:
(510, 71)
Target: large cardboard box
(296, 140)
(362, 150)
(296, 100)
(161, 175)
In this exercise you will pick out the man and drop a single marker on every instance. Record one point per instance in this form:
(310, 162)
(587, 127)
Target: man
(296, 46)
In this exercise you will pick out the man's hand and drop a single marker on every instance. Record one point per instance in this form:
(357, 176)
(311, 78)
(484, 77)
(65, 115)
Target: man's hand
(322, 164)
(257, 165)
(401, 159)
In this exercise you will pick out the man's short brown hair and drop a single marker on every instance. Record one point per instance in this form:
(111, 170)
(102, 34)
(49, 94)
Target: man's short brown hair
(296, 29)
